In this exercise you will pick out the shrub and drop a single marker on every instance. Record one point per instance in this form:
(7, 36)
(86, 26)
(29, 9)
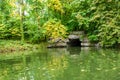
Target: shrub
(54, 29)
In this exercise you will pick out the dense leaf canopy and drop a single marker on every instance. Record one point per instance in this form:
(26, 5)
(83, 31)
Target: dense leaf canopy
(28, 19)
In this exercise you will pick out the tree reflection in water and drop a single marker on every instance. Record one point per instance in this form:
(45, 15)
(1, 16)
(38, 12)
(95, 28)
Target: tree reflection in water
(73, 63)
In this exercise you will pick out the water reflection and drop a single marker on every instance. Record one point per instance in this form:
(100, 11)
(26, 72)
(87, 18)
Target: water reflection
(74, 50)
(57, 64)
(38, 66)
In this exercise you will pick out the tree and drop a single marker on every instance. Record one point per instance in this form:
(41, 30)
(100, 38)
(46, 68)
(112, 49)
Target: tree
(21, 20)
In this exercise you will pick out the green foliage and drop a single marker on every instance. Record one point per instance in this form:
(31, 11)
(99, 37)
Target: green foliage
(33, 32)
(109, 35)
(55, 5)
(68, 18)
(100, 19)
(93, 38)
(2, 30)
(9, 22)
(13, 27)
(34, 20)
(10, 30)
(107, 16)
(54, 29)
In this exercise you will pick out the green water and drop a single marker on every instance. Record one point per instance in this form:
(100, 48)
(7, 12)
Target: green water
(63, 64)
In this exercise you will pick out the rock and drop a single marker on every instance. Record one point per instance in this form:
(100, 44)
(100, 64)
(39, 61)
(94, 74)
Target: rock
(88, 44)
(77, 33)
(74, 40)
(73, 37)
(58, 40)
(58, 43)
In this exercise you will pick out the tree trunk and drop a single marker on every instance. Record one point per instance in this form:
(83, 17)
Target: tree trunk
(21, 20)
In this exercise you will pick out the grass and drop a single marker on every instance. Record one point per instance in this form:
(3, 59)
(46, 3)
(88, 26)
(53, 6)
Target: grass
(8, 46)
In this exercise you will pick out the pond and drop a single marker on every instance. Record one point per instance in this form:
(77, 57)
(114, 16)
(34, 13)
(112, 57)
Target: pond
(72, 63)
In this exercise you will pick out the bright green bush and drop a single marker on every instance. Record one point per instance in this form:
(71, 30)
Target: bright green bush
(55, 5)
(54, 29)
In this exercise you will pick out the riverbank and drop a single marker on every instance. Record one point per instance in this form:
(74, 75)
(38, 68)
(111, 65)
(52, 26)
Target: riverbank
(8, 46)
